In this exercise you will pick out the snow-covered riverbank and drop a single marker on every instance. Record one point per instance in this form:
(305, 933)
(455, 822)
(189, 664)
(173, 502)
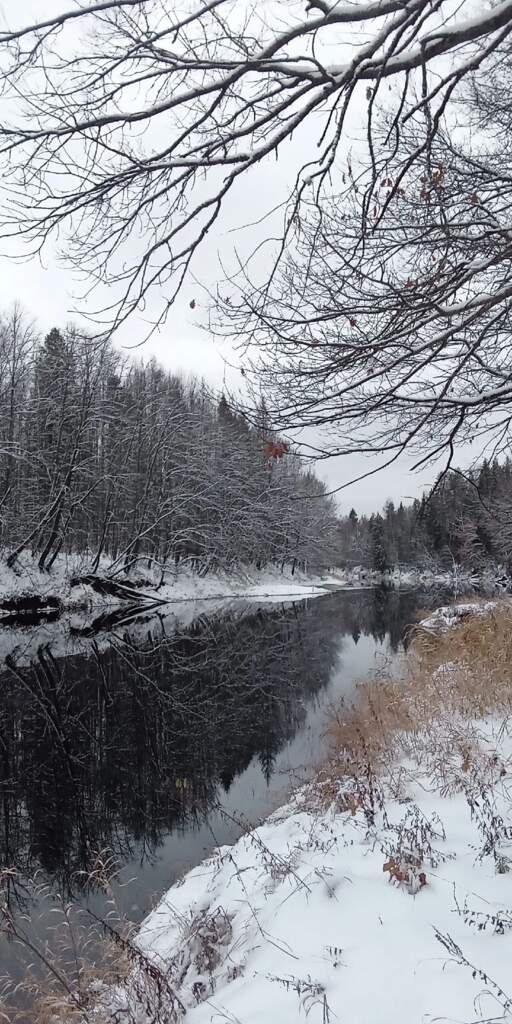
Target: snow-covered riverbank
(83, 614)
(70, 585)
(381, 893)
(74, 584)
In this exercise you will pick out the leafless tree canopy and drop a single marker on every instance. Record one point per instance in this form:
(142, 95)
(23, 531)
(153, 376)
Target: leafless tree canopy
(389, 317)
(139, 116)
(385, 309)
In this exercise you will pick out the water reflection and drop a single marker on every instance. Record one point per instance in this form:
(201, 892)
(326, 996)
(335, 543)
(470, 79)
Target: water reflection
(121, 746)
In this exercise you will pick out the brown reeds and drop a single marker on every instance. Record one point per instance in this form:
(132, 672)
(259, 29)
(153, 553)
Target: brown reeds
(448, 680)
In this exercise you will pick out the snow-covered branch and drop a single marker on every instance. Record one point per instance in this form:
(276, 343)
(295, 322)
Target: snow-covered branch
(142, 127)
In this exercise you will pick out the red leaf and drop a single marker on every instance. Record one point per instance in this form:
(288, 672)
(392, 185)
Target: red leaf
(275, 449)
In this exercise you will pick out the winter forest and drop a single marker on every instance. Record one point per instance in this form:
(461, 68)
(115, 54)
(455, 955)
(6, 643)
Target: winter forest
(102, 455)
(465, 520)
(106, 456)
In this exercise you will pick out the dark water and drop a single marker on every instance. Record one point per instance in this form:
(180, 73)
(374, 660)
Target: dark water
(151, 745)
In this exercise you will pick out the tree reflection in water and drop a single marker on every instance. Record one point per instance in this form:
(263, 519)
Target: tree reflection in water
(116, 748)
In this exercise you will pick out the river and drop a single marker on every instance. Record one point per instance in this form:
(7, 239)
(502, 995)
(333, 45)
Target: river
(157, 744)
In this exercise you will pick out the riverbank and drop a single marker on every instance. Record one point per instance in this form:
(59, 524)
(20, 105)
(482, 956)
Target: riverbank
(71, 585)
(74, 583)
(383, 891)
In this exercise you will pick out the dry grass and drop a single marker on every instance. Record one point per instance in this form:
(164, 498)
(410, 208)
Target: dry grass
(55, 995)
(69, 974)
(448, 680)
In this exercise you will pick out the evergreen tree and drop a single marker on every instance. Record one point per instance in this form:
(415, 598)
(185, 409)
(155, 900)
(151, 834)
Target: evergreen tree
(379, 553)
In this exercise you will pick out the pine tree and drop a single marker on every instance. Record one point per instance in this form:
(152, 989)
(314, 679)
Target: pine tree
(379, 553)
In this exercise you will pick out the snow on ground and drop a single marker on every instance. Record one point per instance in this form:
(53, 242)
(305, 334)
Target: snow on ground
(25, 579)
(186, 583)
(187, 599)
(270, 582)
(390, 903)
(391, 914)
(181, 584)
(450, 615)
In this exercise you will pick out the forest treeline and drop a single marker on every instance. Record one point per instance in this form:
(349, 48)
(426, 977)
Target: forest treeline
(466, 520)
(105, 456)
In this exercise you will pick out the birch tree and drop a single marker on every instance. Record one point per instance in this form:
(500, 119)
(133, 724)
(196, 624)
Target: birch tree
(17, 339)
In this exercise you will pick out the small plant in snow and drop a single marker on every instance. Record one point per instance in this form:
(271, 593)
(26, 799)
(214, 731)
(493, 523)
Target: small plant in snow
(406, 869)
(277, 866)
(411, 849)
(311, 993)
(335, 955)
(360, 790)
(457, 956)
(491, 824)
(499, 923)
(204, 946)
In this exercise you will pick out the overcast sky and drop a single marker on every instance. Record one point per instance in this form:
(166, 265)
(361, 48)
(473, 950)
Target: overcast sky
(49, 291)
